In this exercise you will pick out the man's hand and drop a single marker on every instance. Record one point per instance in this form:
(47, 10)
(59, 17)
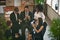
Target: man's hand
(25, 17)
(29, 17)
(16, 35)
(20, 20)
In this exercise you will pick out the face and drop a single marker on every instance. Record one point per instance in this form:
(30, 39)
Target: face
(26, 9)
(15, 12)
(37, 22)
(37, 9)
(10, 25)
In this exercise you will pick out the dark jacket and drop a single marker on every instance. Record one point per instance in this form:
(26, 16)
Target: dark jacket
(22, 16)
(15, 23)
(26, 24)
(13, 18)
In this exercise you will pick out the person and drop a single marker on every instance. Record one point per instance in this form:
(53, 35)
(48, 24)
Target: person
(38, 27)
(39, 12)
(26, 17)
(44, 29)
(14, 17)
(8, 32)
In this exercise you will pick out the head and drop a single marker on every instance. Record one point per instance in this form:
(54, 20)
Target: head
(40, 21)
(39, 7)
(16, 10)
(9, 24)
(26, 8)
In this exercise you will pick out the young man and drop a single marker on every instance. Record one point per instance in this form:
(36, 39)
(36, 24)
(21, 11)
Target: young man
(14, 17)
(26, 17)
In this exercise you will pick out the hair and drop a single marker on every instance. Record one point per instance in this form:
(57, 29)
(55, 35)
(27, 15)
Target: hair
(39, 7)
(16, 9)
(35, 21)
(8, 23)
(26, 7)
(40, 21)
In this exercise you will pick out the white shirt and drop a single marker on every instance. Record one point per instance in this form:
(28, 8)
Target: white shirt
(26, 13)
(39, 15)
(16, 16)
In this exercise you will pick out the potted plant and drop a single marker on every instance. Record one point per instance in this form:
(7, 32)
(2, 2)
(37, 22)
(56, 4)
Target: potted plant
(55, 29)
(3, 28)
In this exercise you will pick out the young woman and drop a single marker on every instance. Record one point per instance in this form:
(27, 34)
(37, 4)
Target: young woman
(38, 27)
(39, 12)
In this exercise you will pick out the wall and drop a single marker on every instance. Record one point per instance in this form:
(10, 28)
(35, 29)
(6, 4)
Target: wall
(59, 7)
(1, 9)
(51, 13)
(9, 2)
(17, 2)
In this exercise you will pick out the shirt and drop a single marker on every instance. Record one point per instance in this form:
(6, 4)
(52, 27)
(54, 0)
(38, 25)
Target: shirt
(26, 13)
(39, 15)
(16, 16)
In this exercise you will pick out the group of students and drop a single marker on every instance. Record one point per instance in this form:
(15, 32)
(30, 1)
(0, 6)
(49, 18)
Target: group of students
(26, 21)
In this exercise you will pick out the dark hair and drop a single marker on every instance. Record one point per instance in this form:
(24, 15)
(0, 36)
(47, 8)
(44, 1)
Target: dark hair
(8, 23)
(34, 21)
(16, 9)
(40, 21)
(39, 7)
(26, 6)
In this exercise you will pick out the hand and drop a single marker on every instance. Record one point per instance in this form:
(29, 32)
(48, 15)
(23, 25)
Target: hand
(37, 31)
(16, 35)
(25, 17)
(33, 25)
(29, 17)
(20, 20)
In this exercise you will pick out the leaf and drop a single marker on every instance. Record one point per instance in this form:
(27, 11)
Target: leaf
(55, 28)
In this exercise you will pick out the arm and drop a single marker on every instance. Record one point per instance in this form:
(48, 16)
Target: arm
(22, 16)
(30, 17)
(41, 28)
(12, 18)
(33, 25)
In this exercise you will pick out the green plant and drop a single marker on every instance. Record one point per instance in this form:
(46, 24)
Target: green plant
(55, 29)
(39, 1)
(3, 28)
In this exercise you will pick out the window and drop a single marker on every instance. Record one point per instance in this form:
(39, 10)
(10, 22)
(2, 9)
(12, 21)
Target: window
(55, 5)
(59, 7)
(17, 2)
(2, 2)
